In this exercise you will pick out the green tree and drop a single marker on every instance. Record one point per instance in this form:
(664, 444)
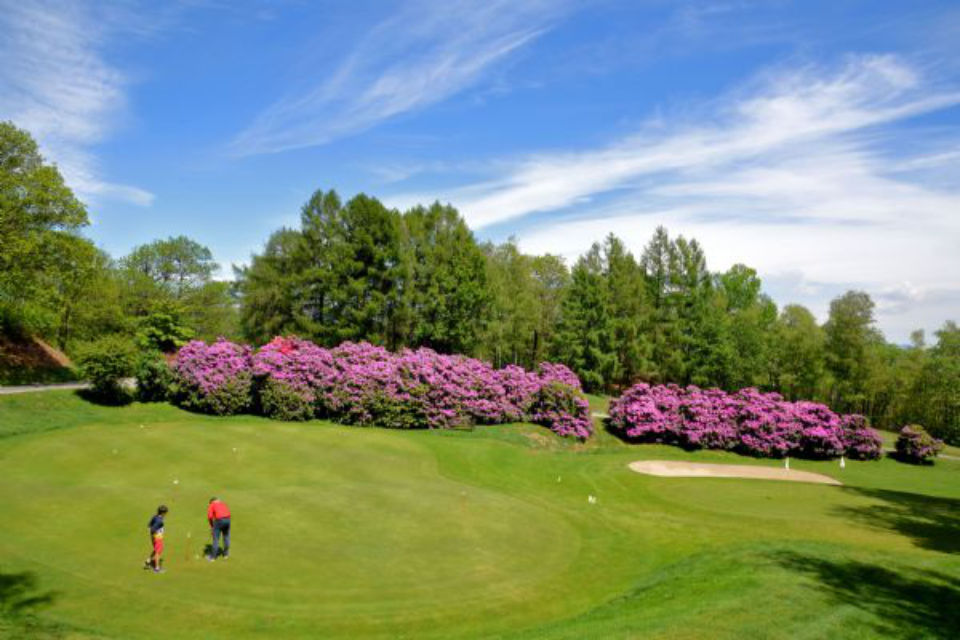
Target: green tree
(798, 365)
(750, 321)
(444, 289)
(514, 318)
(585, 335)
(938, 386)
(688, 298)
(850, 337)
(163, 329)
(176, 266)
(551, 278)
(269, 290)
(629, 315)
(168, 283)
(82, 285)
(349, 261)
(36, 210)
(658, 262)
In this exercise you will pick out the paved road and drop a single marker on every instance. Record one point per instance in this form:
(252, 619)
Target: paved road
(26, 388)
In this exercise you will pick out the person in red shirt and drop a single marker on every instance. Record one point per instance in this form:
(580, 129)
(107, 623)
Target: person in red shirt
(218, 515)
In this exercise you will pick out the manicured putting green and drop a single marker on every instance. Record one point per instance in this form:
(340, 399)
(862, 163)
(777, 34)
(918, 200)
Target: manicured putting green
(350, 532)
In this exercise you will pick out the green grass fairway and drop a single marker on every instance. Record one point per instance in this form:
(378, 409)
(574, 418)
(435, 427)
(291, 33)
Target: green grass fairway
(344, 532)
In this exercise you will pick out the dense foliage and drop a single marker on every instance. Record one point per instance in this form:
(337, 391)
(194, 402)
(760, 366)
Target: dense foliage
(154, 377)
(364, 384)
(748, 422)
(916, 446)
(106, 362)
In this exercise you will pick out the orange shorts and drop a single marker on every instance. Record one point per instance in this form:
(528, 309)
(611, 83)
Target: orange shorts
(158, 545)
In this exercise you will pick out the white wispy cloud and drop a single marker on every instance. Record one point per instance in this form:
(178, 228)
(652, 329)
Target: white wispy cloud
(55, 83)
(797, 174)
(425, 53)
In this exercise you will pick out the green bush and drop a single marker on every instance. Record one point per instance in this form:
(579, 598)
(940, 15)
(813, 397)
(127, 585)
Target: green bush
(154, 377)
(280, 402)
(105, 363)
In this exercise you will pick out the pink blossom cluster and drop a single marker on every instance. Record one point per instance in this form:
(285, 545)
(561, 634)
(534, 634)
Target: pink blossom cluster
(362, 384)
(749, 422)
(214, 378)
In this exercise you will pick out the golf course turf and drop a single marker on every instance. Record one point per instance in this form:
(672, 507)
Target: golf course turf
(347, 532)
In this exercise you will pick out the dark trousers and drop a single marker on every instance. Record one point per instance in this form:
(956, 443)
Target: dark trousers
(221, 525)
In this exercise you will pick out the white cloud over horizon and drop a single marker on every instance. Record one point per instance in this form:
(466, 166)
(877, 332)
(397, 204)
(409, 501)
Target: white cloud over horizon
(799, 173)
(423, 54)
(56, 84)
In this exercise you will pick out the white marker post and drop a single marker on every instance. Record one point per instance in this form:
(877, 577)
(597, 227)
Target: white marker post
(786, 463)
(843, 463)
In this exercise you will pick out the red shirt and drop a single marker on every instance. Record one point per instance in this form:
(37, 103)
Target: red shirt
(217, 510)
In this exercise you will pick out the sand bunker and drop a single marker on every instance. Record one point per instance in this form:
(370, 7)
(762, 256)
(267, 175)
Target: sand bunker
(673, 469)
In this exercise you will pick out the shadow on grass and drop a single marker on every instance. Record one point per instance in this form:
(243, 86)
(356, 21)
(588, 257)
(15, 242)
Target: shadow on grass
(894, 455)
(19, 595)
(905, 602)
(932, 523)
(119, 399)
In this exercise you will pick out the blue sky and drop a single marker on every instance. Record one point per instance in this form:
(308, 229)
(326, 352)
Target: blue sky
(818, 142)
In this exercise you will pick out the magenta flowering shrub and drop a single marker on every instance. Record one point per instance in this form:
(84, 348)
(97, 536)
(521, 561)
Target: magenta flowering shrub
(362, 384)
(215, 378)
(861, 442)
(563, 409)
(916, 446)
(289, 372)
(648, 413)
(556, 372)
(710, 419)
(821, 434)
(748, 422)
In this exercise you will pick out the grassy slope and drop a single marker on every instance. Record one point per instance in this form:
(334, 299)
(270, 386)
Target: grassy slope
(346, 532)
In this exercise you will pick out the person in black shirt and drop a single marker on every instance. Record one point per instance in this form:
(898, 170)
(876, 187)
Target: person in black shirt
(155, 561)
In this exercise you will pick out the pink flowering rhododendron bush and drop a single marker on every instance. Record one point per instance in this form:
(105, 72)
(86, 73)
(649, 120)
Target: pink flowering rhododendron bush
(362, 384)
(215, 378)
(748, 422)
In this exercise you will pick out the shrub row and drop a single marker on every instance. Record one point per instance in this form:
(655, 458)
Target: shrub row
(361, 384)
(748, 422)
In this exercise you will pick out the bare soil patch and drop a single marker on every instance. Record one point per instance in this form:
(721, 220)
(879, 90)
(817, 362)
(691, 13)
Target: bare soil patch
(31, 360)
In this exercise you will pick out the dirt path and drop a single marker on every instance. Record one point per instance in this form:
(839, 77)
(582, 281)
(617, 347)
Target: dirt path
(674, 469)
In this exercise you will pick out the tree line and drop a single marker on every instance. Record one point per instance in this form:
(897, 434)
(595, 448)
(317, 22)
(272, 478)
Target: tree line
(358, 270)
